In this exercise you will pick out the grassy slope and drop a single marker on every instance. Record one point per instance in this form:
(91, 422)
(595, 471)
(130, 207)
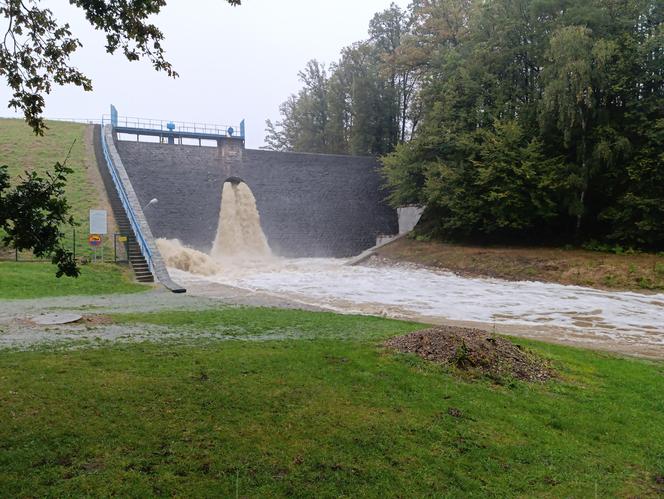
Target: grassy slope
(328, 414)
(21, 150)
(636, 272)
(37, 280)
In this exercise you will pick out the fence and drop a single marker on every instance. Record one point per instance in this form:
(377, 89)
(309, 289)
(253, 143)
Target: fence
(112, 250)
(126, 203)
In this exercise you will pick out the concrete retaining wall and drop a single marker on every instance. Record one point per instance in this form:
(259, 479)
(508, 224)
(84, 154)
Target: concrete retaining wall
(310, 204)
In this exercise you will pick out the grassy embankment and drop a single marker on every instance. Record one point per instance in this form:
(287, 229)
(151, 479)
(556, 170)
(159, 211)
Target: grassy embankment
(21, 150)
(37, 280)
(637, 272)
(310, 405)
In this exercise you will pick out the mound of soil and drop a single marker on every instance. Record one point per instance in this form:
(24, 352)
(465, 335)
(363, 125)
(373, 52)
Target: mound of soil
(96, 320)
(472, 349)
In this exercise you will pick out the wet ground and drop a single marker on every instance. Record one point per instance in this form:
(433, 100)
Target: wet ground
(629, 323)
(18, 330)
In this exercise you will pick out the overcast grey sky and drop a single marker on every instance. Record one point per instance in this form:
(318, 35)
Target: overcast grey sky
(234, 62)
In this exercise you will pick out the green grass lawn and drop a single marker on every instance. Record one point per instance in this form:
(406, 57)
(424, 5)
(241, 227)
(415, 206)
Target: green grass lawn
(21, 149)
(325, 412)
(37, 280)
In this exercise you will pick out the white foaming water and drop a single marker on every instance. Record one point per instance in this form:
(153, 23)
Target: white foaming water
(239, 240)
(241, 258)
(188, 259)
(239, 233)
(405, 291)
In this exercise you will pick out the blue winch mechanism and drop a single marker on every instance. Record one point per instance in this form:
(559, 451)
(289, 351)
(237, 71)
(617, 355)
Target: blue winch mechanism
(170, 126)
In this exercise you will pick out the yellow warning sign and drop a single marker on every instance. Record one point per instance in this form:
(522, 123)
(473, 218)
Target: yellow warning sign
(94, 240)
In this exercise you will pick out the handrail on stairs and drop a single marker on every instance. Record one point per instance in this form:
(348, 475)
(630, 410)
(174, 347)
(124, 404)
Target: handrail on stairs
(124, 199)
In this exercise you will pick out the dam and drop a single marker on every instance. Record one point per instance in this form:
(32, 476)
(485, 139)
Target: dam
(310, 205)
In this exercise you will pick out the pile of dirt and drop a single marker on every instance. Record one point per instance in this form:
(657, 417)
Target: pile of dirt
(96, 320)
(472, 349)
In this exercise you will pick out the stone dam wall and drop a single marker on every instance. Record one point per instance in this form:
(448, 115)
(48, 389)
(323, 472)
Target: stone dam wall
(311, 205)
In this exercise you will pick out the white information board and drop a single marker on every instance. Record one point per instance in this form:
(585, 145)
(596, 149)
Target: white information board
(98, 224)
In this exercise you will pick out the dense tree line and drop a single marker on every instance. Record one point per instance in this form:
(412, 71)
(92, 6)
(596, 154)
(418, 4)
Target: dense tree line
(363, 104)
(524, 120)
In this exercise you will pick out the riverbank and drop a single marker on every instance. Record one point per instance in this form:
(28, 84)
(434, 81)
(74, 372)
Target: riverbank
(642, 272)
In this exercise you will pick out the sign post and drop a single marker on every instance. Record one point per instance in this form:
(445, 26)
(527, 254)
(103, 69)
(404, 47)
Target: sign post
(98, 228)
(95, 241)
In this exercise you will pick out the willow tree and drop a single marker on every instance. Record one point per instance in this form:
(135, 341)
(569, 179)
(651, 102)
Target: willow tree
(574, 83)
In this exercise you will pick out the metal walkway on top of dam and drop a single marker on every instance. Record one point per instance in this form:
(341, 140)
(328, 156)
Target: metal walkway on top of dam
(172, 132)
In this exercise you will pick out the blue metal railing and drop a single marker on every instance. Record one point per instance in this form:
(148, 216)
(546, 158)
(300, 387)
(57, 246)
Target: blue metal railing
(165, 126)
(124, 199)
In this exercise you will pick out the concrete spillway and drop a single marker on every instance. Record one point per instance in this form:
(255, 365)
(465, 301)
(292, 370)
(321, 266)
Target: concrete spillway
(310, 204)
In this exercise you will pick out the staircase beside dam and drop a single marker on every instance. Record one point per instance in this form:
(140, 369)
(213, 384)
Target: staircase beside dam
(136, 259)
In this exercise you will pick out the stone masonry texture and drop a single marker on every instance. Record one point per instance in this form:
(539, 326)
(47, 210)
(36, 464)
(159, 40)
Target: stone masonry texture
(311, 205)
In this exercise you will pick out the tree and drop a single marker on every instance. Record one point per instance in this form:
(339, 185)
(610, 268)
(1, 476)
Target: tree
(32, 214)
(573, 89)
(35, 50)
(304, 117)
(541, 120)
(519, 120)
(362, 104)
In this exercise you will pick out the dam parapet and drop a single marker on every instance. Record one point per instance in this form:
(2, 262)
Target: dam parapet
(176, 132)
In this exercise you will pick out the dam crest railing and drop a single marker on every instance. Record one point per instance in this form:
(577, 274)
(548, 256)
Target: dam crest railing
(179, 127)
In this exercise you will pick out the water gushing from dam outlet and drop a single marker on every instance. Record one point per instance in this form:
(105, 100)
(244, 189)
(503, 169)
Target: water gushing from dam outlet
(239, 233)
(238, 241)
